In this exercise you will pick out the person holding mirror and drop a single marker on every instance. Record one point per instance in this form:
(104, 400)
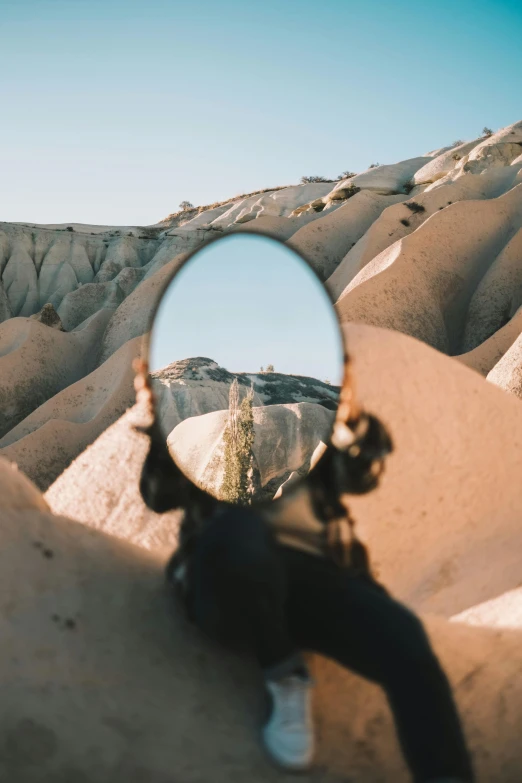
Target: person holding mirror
(273, 581)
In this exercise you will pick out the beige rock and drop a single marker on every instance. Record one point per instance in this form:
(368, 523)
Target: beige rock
(131, 692)
(444, 526)
(486, 355)
(37, 362)
(133, 317)
(47, 440)
(497, 297)
(439, 166)
(387, 179)
(286, 437)
(505, 611)
(507, 373)
(422, 285)
(101, 488)
(500, 149)
(325, 241)
(399, 221)
(17, 493)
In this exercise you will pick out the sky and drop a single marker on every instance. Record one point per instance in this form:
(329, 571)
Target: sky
(245, 302)
(115, 111)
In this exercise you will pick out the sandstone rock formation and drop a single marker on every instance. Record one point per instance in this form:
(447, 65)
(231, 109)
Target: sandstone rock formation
(101, 488)
(198, 385)
(444, 509)
(286, 437)
(132, 691)
(429, 246)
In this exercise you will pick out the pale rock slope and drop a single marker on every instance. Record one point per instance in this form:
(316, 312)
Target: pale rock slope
(507, 373)
(101, 488)
(129, 688)
(47, 440)
(444, 527)
(132, 692)
(325, 242)
(386, 179)
(401, 220)
(37, 362)
(198, 385)
(505, 611)
(286, 437)
(428, 246)
(486, 355)
(424, 283)
(443, 164)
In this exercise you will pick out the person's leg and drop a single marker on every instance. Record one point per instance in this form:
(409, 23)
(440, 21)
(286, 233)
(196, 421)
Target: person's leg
(239, 589)
(239, 597)
(360, 626)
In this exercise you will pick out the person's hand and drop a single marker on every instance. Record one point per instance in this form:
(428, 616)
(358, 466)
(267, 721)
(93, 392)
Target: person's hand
(143, 387)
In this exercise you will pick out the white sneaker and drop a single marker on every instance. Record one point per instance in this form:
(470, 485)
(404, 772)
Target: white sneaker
(288, 734)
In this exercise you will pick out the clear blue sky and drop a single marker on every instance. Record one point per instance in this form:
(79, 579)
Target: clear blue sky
(247, 301)
(113, 111)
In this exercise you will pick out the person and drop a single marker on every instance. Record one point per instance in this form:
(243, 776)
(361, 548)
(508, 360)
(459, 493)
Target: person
(266, 580)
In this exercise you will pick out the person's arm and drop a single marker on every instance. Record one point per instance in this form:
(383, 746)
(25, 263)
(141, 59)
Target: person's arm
(351, 467)
(163, 486)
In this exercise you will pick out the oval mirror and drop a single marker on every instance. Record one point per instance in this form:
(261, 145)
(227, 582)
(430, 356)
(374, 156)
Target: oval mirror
(246, 362)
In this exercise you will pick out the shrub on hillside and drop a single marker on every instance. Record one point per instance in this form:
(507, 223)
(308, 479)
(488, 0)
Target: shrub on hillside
(309, 180)
(414, 206)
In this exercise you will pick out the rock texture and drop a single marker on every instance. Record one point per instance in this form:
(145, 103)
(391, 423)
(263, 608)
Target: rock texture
(445, 507)
(101, 488)
(286, 437)
(103, 680)
(429, 246)
(198, 385)
(131, 690)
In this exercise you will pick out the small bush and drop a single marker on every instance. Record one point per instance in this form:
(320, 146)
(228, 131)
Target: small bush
(186, 205)
(373, 165)
(457, 143)
(405, 222)
(346, 175)
(149, 232)
(69, 228)
(270, 368)
(414, 206)
(487, 131)
(309, 180)
(408, 187)
(456, 156)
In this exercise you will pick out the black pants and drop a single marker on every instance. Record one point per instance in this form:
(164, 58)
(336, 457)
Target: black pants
(278, 600)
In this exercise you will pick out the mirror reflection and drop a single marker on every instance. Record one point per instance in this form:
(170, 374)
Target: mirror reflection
(246, 360)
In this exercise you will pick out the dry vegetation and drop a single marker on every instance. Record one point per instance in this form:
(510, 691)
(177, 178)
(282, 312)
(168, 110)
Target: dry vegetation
(187, 214)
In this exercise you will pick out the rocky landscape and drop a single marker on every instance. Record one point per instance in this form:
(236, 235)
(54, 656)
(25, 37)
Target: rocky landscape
(293, 418)
(424, 261)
